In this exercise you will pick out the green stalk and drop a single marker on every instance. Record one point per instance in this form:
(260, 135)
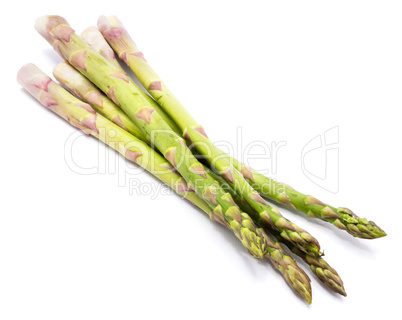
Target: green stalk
(343, 218)
(85, 90)
(117, 37)
(82, 116)
(94, 39)
(124, 93)
(264, 215)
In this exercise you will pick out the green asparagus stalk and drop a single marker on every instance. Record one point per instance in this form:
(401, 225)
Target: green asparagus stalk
(94, 39)
(264, 215)
(120, 90)
(342, 218)
(82, 116)
(114, 32)
(293, 274)
(85, 90)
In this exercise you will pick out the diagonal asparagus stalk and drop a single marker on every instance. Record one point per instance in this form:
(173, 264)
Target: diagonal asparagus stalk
(294, 276)
(94, 39)
(82, 116)
(265, 215)
(343, 218)
(119, 89)
(77, 83)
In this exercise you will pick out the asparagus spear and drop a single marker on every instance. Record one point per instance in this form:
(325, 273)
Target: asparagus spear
(343, 218)
(293, 274)
(265, 215)
(84, 117)
(119, 89)
(94, 39)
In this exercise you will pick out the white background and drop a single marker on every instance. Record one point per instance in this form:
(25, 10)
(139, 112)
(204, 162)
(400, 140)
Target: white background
(76, 246)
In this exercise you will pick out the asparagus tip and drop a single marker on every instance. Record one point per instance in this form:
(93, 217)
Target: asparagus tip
(358, 227)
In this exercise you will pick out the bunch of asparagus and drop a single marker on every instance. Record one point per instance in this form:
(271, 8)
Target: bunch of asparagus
(156, 132)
